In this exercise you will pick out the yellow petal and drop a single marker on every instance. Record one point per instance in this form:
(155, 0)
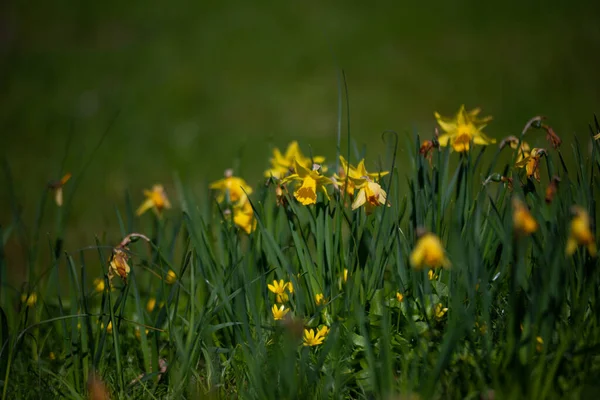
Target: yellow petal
(146, 205)
(360, 199)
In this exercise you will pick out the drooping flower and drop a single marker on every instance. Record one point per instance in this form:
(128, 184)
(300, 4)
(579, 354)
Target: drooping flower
(462, 129)
(581, 233)
(429, 252)
(156, 199)
(283, 164)
(523, 221)
(58, 188)
(531, 163)
(118, 264)
(310, 339)
(279, 312)
(231, 187)
(370, 194)
(349, 175)
(312, 180)
(243, 216)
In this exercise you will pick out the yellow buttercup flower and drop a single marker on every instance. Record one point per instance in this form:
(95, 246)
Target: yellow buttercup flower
(279, 289)
(171, 277)
(243, 216)
(58, 188)
(429, 252)
(29, 299)
(156, 199)
(440, 311)
(462, 129)
(320, 299)
(283, 164)
(310, 339)
(581, 233)
(324, 331)
(523, 222)
(99, 285)
(311, 180)
(279, 312)
(431, 275)
(150, 304)
(231, 187)
(349, 174)
(399, 297)
(370, 194)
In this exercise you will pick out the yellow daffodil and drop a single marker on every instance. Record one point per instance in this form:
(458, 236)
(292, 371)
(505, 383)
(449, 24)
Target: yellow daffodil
(320, 299)
(171, 277)
(156, 199)
(283, 164)
(358, 173)
(440, 311)
(531, 163)
(523, 222)
(581, 233)
(29, 299)
(243, 216)
(99, 285)
(118, 264)
(310, 339)
(231, 187)
(279, 312)
(370, 194)
(311, 180)
(399, 297)
(150, 304)
(58, 188)
(429, 252)
(462, 129)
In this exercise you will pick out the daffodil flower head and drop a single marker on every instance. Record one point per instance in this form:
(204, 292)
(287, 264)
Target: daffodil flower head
(243, 216)
(311, 181)
(283, 164)
(349, 174)
(370, 194)
(463, 129)
(118, 264)
(312, 339)
(429, 252)
(232, 188)
(523, 221)
(279, 312)
(156, 199)
(531, 163)
(581, 233)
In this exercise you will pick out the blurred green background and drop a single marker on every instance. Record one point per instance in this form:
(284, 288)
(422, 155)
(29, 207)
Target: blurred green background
(199, 84)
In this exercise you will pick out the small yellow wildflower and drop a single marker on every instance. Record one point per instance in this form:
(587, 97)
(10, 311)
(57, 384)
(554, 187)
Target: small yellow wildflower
(58, 188)
(431, 275)
(279, 289)
(462, 129)
(440, 311)
(539, 344)
(370, 194)
(523, 222)
(283, 164)
(243, 216)
(156, 199)
(171, 277)
(429, 252)
(399, 297)
(320, 299)
(29, 299)
(581, 233)
(310, 339)
(150, 304)
(279, 312)
(348, 174)
(311, 180)
(233, 187)
(99, 285)
(324, 331)
(290, 287)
